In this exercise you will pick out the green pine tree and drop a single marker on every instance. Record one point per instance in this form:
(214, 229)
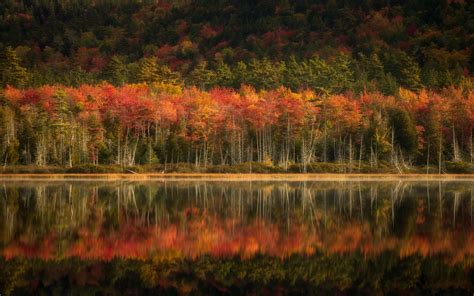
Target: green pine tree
(150, 71)
(11, 71)
(429, 77)
(265, 74)
(201, 76)
(224, 75)
(404, 69)
(404, 130)
(168, 76)
(241, 74)
(342, 74)
(375, 68)
(388, 85)
(116, 71)
(318, 75)
(409, 72)
(61, 124)
(293, 74)
(62, 111)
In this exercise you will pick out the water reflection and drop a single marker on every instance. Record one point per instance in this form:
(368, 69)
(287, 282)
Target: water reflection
(189, 219)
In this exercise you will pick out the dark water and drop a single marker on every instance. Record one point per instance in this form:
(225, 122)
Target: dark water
(237, 237)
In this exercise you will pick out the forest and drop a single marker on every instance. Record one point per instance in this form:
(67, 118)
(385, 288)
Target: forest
(284, 84)
(162, 123)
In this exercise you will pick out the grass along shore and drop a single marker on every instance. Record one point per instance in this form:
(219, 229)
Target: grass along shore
(245, 168)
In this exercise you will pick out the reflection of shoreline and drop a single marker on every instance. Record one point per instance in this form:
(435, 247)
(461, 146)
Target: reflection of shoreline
(205, 235)
(323, 274)
(105, 220)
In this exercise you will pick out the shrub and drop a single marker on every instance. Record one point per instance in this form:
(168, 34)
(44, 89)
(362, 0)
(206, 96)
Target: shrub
(459, 167)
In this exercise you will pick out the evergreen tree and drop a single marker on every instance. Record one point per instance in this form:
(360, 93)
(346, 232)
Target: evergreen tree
(224, 75)
(409, 72)
(201, 76)
(133, 69)
(405, 70)
(433, 137)
(317, 75)
(61, 124)
(379, 137)
(78, 76)
(342, 74)
(150, 71)
(116, 71)
(146, 153)
(265, 74)
(62, 111)
(168, 76)
(293, 74)
(11, 71)
(404, 130)
(429, 77)
(388, 85)
(375, 68)
(241, 74)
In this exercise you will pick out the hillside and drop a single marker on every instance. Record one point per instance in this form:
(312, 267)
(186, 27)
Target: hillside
(374, 45)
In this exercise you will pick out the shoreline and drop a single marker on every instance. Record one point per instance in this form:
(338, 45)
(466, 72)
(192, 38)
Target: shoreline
(236, 177)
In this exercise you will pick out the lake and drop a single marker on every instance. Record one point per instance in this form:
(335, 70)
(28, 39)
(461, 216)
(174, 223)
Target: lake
(237, 236)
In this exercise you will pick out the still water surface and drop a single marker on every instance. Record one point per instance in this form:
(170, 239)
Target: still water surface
(231, 236)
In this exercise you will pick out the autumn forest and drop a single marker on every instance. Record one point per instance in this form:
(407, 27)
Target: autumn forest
(236, 147)
(364, 86)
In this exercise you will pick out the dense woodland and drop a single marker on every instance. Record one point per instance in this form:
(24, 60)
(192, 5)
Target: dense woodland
(231, 82)
(151, 123)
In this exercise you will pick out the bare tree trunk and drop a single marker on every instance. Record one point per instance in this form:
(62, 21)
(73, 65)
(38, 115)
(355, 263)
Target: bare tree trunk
(360, 151)
(372, 157)
(456, 153)
(325, 143)
(119, 162)
(350, 153)
(439, 156)
(428, 159)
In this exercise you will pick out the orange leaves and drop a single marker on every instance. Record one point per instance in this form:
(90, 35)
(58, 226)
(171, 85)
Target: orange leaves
(347, 240)
(208, 32)
(13, 95)
(268, 108)
(89, 59)
(413, 102)
(343, 112)
(202, 233)
(203, 114)
(215, 117)
(460, 105)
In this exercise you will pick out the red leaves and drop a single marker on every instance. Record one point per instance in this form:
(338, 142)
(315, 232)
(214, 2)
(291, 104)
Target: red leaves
(343, 112)
(89, 59)
(208, 32)
(202, 116)
(278, 37)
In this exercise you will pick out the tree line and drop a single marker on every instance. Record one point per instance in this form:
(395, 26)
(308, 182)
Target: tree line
(167, 123)
(383, 73)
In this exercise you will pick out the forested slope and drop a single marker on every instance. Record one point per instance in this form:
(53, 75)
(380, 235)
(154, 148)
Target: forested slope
(384, 44)
(230, 82)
